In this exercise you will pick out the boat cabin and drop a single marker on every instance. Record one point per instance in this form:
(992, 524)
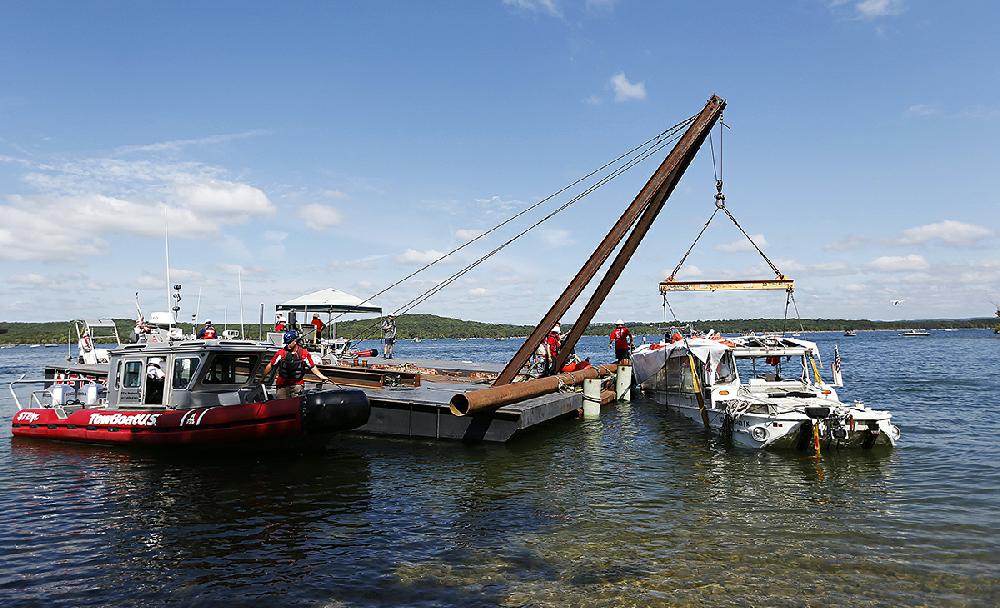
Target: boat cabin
(192, 373)
(722, 364)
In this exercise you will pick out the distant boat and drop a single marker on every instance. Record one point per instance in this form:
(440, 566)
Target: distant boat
(416, 339)
(850, 333)
(915, 333)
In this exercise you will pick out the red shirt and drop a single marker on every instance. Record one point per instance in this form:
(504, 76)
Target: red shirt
(279, 326)
(620, 336)
(306, 359)
(319, 325)
(552, 343)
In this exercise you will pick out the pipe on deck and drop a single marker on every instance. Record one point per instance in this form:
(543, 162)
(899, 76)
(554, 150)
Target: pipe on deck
(505, 394)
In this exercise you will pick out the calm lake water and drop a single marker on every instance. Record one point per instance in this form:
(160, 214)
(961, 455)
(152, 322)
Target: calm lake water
(636, 509)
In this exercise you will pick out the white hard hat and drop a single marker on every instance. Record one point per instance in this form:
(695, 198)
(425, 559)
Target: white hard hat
(556, 328)
(619, 322)
(207, 321)
(155, 361)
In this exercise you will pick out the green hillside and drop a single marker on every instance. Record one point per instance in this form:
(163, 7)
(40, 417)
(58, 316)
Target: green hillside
(433, 326)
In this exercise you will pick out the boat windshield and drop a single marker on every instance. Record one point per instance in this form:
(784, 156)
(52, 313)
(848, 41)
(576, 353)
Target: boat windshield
(726, 371)
(183, 371)
(230, 368)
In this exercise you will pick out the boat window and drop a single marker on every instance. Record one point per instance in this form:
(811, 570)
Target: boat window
(726, 372)
(132, 376)
(183, 371)
(677, 376)
(225, 368)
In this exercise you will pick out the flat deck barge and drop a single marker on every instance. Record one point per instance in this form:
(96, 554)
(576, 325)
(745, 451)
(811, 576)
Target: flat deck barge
(399, 408)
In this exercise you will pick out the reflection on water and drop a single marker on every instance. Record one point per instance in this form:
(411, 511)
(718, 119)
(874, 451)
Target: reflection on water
(637, 508)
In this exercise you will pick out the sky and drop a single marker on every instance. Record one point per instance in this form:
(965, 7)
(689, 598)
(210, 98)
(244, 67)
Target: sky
(304, 145)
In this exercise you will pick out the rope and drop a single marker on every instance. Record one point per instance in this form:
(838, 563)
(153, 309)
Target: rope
(416, 301)
(668, 132)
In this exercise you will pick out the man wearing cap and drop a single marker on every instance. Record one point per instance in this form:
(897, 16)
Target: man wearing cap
(621, 341)
(389, 335)
(208, 332)
(154, 381)
(292, 362)
(318, 325)
(552, 343)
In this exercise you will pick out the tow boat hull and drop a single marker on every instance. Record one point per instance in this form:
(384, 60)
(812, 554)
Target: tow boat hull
(313, 414)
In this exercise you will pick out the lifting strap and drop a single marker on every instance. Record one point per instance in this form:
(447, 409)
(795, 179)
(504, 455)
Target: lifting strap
(698, 392)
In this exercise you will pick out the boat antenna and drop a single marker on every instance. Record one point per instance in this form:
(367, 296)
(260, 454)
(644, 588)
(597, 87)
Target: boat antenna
(239, 281)
(197, 309)
(166, 250)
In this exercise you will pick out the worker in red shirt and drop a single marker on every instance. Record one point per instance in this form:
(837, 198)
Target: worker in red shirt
(552, 342)
(318, 324)
(621, 341)
(292, 362)
(279, 323)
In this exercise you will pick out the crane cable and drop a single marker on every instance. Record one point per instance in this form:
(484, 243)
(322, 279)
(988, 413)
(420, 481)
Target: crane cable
(653, 149)
(654, 141)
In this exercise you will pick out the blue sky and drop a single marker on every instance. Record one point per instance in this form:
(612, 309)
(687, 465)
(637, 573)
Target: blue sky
(339, 144)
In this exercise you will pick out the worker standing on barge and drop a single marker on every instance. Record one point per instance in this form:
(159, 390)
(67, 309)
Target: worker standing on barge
(552, 343)
(621, 341)
(318, 325)
(389, 335)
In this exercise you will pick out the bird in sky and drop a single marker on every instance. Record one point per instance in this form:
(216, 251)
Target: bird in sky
(896, 302)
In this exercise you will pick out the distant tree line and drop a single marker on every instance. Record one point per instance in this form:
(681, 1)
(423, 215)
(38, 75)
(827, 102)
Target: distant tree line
(433, 326)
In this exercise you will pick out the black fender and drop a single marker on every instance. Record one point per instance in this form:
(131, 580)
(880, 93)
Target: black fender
(334, 410)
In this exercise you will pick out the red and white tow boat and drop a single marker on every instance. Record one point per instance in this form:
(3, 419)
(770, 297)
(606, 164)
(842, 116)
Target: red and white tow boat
(193, 392)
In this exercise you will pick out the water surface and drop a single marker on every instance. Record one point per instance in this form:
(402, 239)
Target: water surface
(638, 508)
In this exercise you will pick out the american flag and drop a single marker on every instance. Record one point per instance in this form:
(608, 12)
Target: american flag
(836, 360)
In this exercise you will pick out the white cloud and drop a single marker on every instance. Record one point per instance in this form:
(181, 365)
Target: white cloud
(688, 272)
(847, 243)
(556, 237)
(921, 110)
(339, 195)
(548, 7)
(467, 234)
(872, 9)
(224, 198)
(478, 292)
(412, 256)
(593, 100)
(950, 232)
(899, 263)
(177, 145)
(625, 90)
(275, 236)
(743, 244)
(80, 202)
(319, 217)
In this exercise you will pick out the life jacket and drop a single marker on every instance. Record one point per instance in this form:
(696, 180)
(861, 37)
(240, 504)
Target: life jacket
(291, 366)
(209, 333)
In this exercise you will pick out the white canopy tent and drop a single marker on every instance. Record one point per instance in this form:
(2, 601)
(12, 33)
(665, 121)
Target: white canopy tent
(328, 301)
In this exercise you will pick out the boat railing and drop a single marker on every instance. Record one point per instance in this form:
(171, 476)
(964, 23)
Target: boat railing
(57, 394)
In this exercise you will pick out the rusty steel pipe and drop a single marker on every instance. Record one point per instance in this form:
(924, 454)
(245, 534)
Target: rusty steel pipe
(499, 396)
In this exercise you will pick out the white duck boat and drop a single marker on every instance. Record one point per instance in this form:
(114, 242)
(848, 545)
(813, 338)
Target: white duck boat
(773, 408)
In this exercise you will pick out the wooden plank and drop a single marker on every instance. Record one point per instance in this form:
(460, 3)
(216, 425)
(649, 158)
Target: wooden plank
(764, 284)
